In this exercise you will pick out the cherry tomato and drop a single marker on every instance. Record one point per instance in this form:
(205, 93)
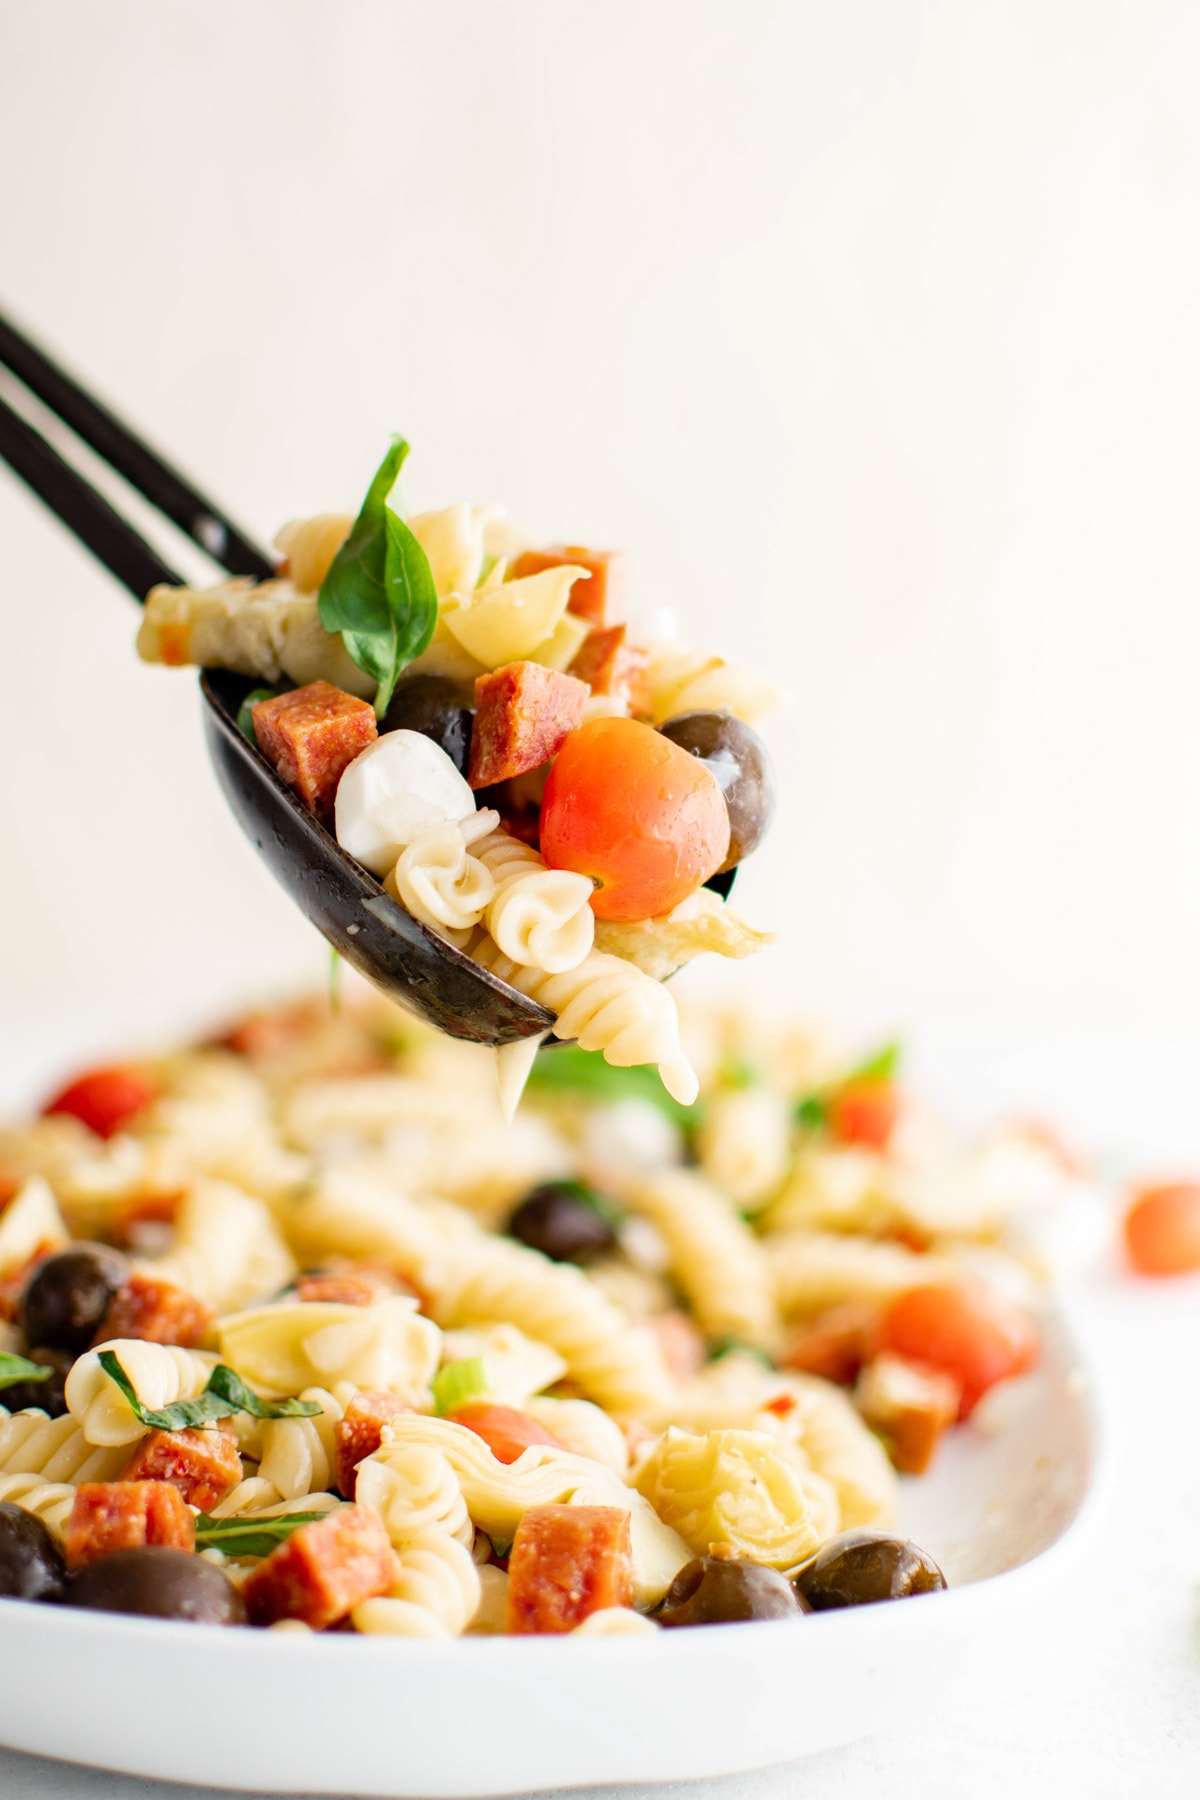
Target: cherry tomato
(105, 1099)
(864, 1113)
(637, 813)
(966, 1330)
(504, 1430)
(1162, 1229)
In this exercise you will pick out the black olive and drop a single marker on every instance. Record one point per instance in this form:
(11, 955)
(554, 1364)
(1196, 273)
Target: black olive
(859, 1568)
(68, 1294)
(717, 1590)
(738, 758)
(561, 1221)
(48, 1395)
(31, 1563)
(159, 1583)
(439, 709)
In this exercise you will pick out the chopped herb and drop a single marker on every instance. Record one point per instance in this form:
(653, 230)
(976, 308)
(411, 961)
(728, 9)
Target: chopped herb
(225, 1393)
(740, 1072)
(335, 983)
(379, 591)
(723, 1347)
(15, 1368)
(245, 719)
(459, 1383)
(567, 1069)
(880, 1067)
(250, 1537)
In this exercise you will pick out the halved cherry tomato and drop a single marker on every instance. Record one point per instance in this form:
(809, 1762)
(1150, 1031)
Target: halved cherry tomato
(1162, 1229)
(864, 1113)
(504, 1430)
(641, 816)
(966, 1330)
(105, 1099)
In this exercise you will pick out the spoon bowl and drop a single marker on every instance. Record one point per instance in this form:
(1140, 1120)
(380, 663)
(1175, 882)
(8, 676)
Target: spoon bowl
(351, 910)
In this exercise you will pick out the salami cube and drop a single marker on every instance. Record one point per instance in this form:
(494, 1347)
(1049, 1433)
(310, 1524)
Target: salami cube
(910, 1406)
(202, 1465)
(349, 1287)
(312, 735)
(611, 665)
(323, 1570)
(360, 1433)
(157, 1311)
(124, 1515)
(602, 600)
(566, 1563)
(836, 1343)
(522, 714)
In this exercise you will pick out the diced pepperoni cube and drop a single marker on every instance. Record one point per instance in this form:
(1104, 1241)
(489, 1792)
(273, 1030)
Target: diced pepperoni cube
(611, 665)
(566, 1563)
(360, 1433)
(202, 1465)
(348, 1287)
(603, 599)
(123, 1515)
(157, 1311)
(522, 714)
(312, 735)
(909, 1406)
(836, 1343)
(323, 1570)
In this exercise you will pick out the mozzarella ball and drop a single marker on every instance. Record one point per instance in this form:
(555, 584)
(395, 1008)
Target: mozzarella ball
(401, 785)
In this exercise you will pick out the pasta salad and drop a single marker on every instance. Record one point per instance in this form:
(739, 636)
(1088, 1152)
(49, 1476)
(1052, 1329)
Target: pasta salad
(543, 783)
(299, 1332)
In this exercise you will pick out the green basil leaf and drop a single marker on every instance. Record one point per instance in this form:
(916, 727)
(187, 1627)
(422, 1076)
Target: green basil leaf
(225, 1393)
(723, 1347)
(459, 1383)
(812, 1112)
(245, 719)
(882, 1065)
(239, 1398)
(15, 1368)
(250, 1537)
(569, 1070)
(379, 592)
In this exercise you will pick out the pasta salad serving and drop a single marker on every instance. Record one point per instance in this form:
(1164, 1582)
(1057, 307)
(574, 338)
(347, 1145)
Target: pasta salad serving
(300, 1333)
(548, 787)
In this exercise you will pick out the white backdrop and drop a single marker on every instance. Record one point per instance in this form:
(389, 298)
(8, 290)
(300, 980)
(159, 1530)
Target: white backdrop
(872, 330)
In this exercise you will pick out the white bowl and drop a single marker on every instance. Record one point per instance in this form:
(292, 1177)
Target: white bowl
(348, 1715)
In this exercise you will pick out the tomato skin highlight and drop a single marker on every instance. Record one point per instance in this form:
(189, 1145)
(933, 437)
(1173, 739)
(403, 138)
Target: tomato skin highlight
(504, 1430)
(1162, 1229)
(864, 1113)
(965, 1330)
(105, 1099)
(637, 813)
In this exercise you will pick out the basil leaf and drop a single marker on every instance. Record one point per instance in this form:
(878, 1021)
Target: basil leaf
(881, 1065)
(15, 1368)
(225, 1393)
(379, 591)
(250, 1537)
(245, 719)
(459, 1383)
(570, 1070)
(812, 1112)
(239, 1398)
(726, 1346)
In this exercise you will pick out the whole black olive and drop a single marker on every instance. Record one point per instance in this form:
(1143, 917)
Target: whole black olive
(859, 1568)
(738, 758)
(561, 1221)
(68, 1294)
(717, 1590)
(439, 709)
(31, 1564)
(160, 1584)
(48, 1395)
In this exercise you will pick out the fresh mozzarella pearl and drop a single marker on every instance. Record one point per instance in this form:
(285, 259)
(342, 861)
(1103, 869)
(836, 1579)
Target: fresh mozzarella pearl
(401, 785)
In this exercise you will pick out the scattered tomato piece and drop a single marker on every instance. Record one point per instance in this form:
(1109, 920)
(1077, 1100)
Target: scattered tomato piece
(644, 818)
(864, 1113)
(106, 1099)
(1162, 1229)
(504, 1430)
(966, 1331)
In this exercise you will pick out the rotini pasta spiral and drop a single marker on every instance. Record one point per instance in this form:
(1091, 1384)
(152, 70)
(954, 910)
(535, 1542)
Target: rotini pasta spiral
(436, 1591)
(294, 1344)
(616, 1621)
(159, 1374)
(539, 917)
(607, 1005)
(298, 1454)
(491, 1615)
(414, 1490)
(227, 1249)
(715, 1257)
(744, 1142)
(441, 883)
(31, 1443)
(50, 1500)
(816, 1269)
